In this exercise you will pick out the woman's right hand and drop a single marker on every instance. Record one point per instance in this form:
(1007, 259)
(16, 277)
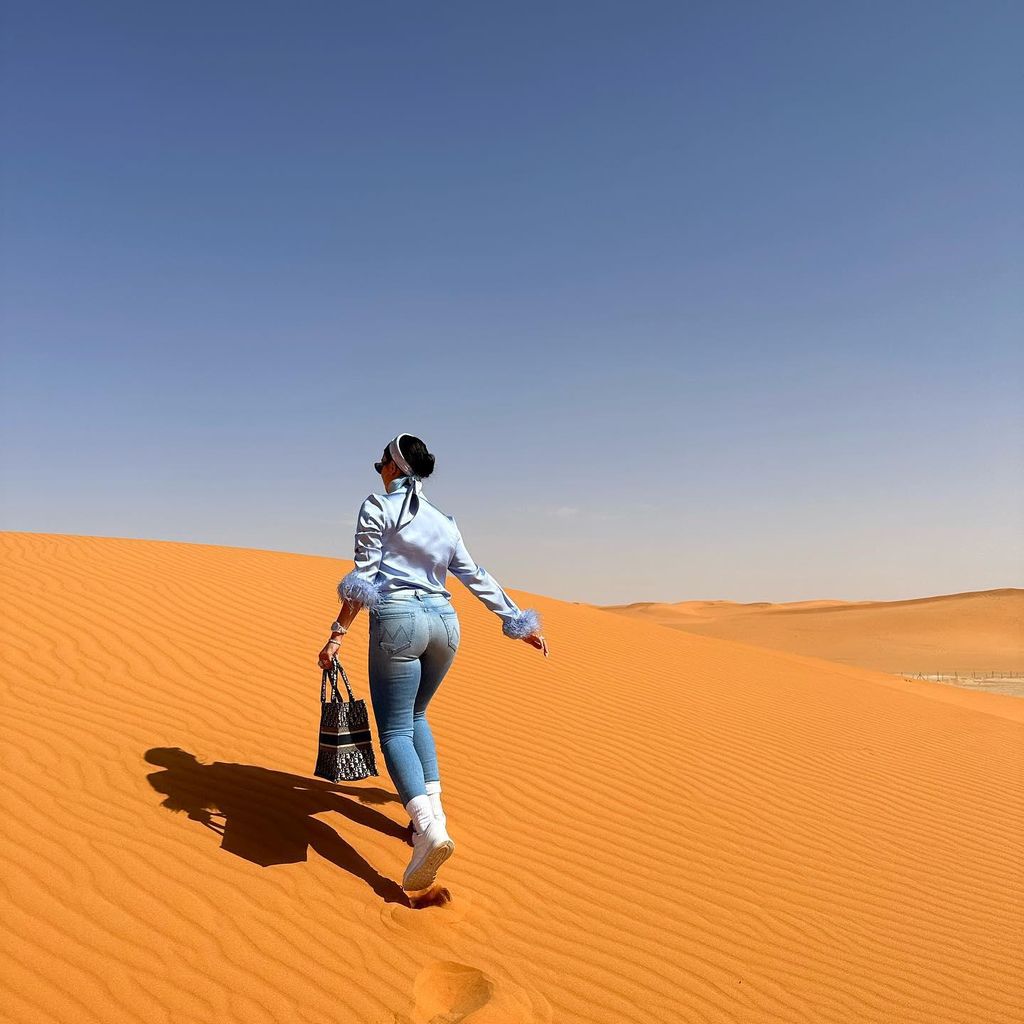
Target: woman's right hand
(327, 653)
(536, 640)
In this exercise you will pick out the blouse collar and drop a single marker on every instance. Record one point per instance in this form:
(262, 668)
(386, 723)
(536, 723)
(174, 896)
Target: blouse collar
(412, 486)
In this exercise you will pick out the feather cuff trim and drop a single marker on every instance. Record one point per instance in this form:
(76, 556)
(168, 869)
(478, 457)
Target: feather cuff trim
(359, 590)
(521, 624)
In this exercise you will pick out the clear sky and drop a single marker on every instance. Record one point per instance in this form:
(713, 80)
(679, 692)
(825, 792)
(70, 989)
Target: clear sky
(690, 300)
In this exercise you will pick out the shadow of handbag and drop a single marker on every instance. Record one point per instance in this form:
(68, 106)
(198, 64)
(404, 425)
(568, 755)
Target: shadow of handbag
(346, 746)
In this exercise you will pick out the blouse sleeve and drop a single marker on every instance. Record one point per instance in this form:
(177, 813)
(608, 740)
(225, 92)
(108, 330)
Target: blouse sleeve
(515, 623)
(361, 586)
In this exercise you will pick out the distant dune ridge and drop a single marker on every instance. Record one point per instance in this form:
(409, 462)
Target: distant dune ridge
(981, 631)
(652, 825)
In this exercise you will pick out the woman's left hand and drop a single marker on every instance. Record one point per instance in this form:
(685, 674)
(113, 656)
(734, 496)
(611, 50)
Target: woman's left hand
(330, 649)
(536, 640)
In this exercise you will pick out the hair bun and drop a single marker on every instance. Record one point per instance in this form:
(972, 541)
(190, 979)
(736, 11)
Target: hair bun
(415, 451)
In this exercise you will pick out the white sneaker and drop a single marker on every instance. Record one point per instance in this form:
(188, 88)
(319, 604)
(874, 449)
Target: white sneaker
(430, 849)
(411, 828)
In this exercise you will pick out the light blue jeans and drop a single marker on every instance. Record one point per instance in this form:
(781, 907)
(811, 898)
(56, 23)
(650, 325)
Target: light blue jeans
(413, 640)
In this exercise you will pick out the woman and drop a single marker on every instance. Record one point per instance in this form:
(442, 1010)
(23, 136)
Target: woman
(404, 549)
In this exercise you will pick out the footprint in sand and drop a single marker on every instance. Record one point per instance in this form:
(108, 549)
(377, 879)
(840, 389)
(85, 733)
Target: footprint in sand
(437, 909)
(447, 992)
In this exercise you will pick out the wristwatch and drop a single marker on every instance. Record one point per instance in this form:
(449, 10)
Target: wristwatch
(337, 627)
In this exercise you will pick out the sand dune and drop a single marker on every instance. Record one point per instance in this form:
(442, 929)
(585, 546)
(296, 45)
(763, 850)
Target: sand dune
(651, 825)
(981, 631)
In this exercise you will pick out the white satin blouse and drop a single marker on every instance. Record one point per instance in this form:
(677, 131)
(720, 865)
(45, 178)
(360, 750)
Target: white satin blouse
(419, 555)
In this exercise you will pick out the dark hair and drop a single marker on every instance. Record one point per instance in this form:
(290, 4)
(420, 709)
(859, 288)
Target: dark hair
(416, 454)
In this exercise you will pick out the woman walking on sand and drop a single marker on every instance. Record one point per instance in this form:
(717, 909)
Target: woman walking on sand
(404, 549)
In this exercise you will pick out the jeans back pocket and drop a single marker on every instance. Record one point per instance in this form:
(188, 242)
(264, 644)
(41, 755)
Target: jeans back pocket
(451, 624)
(394, 632)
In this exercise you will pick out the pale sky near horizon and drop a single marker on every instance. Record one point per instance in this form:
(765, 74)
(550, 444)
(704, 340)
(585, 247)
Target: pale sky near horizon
(691, 301)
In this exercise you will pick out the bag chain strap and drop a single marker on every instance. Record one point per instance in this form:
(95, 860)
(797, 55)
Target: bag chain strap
(332, 673)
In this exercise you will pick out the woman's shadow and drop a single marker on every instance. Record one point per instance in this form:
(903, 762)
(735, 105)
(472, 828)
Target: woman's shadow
(267, 817)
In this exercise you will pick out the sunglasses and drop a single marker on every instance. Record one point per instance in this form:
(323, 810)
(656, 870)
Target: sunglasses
(382, 463)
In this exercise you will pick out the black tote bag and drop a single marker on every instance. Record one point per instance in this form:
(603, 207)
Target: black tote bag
(346, 746)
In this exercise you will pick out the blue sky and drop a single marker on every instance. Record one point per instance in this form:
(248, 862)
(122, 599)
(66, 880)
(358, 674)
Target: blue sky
(689, 300)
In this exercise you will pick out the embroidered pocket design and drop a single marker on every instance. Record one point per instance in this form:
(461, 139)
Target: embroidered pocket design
(395, 634)
(451, 624)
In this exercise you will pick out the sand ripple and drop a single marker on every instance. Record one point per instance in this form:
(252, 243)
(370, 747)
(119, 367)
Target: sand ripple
(651, 825)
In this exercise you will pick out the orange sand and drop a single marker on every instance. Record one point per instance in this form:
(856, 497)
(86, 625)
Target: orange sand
(651, 825)
(974, 632)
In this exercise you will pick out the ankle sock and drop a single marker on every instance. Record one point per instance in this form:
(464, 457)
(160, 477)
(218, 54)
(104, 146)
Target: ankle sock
(421, 811)
(434, 792)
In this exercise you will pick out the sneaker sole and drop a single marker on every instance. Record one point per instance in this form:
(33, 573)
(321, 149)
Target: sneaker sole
(424, 875)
